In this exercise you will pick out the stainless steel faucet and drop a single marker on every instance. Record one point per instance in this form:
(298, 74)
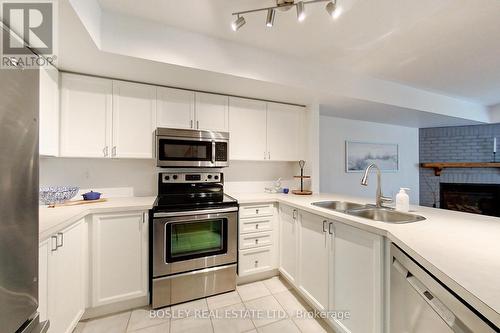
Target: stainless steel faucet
(379, 198)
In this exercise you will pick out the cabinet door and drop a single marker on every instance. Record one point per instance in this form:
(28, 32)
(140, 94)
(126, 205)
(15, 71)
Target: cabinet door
(283, 132)
(49, 111)
(247, 125)
(175, 108)
(212, 112)
(119, 257)
(66, 288)
(134, 113)
(43, 279)
(356, 282)
(85, 116)
(288, 242)
(314, 240)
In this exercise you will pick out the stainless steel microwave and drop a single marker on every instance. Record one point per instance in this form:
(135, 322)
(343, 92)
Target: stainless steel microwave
(178, 148)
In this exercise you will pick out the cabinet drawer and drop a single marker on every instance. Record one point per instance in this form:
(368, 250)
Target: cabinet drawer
(255, 225)
(259, 239)
(256, 210)
(255, 260)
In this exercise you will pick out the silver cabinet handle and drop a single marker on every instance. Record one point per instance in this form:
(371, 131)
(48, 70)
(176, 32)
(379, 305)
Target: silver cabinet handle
(197, 124)
(330, 227)
(324, 225)
(256, 263)
(269, 155)
(191, 123)
(62, 240)
(257, 226)
(257, 241)
(265, 155)
(113, 151)
(256, 211)
(294, 214)
(53, 240)
(105, 151)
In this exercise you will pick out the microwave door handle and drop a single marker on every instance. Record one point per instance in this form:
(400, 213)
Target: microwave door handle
(213, 152)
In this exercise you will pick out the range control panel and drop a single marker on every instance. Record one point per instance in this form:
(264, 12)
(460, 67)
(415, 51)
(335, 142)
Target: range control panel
(195, 177)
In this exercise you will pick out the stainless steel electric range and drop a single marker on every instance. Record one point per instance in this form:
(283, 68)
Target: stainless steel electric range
(193, 238)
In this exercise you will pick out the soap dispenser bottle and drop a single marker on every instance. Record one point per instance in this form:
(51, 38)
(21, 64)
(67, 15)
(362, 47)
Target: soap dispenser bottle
(403, 200)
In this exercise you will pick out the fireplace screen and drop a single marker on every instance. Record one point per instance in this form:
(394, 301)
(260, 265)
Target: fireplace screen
(471, 198)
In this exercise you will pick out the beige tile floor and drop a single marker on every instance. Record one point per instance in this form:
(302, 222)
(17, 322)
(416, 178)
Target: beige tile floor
(230, 312)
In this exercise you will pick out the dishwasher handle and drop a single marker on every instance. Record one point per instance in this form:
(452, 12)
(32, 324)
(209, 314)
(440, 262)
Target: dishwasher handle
(437, 305)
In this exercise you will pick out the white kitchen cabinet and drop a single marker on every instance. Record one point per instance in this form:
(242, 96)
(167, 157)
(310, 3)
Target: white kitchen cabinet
(212, 112)
(66, 279)
(356, 282)
(134, 120)
(86, 112)
(288, 242)
(119, 257)
(175, 108)
(284, 132)
(49, 111)
(43, 279)
(247, 125)
(313, 262)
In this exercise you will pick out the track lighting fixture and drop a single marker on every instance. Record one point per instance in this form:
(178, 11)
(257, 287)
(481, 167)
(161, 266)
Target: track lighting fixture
(284, 5)
(240, 21)
(270, 17)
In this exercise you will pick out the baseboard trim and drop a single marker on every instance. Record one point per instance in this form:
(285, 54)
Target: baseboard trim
(108, 309)
(256, 277)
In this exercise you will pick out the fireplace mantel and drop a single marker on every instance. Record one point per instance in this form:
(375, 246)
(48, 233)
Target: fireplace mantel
(439, 166)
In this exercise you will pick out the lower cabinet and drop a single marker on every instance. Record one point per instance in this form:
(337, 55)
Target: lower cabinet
(356, 282)
(61, 283)
(335, 267)
(258, 240)
(119, 260)
(288, 242)
(315, 243)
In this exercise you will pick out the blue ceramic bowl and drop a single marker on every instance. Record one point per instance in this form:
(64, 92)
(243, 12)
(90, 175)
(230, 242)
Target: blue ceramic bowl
(57, 194)
(91, 195)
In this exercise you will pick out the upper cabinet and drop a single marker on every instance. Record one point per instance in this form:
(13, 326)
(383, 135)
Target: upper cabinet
(284, 132)
(212, 112)
(264, 131)
(86, 111)
(175, 108)
(116, 119)
(134, 120)
(247, 126)
(49, 111)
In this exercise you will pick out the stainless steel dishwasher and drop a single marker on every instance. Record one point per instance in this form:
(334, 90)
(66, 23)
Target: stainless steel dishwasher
(420, 304)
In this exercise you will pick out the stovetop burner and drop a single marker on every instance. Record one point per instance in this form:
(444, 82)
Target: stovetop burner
(191, 191)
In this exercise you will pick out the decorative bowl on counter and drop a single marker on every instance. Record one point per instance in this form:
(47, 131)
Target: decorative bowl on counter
(57, 194)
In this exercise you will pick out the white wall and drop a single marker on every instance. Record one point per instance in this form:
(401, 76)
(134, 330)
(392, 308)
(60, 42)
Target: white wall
(241, 176)
(333, 134)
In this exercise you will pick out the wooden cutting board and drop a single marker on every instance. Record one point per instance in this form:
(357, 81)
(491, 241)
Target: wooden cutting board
(78, 202)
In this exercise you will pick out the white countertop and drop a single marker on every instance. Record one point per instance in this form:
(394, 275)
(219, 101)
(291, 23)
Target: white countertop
(52, 220)
(460, 249)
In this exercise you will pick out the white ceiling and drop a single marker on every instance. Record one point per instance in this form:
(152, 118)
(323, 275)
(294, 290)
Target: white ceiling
(448, 46)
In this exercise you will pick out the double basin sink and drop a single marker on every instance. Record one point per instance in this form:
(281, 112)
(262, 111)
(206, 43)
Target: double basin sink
(370, 212)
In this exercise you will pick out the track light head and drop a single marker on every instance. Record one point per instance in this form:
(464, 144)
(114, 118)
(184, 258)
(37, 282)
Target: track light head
(333, 10)
(270, 18)
(238, 23)
(301, 11)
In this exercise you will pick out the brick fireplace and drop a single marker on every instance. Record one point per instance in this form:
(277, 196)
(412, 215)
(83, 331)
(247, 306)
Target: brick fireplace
(457, 144)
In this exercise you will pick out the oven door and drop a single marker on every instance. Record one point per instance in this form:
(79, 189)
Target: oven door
(185, 241)
(190, 152)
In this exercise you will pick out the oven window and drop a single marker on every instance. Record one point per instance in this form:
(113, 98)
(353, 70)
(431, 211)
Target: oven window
(195, 239)
(179, 150)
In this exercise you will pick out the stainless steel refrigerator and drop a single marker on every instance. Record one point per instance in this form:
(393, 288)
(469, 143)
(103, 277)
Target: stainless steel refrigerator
(19, 96)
